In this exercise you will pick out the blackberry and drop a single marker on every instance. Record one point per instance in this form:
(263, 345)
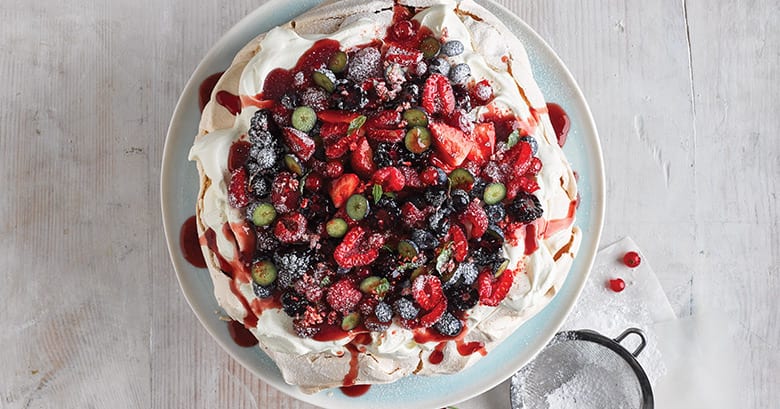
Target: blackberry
(374, 325)
(448, 325)
(478, 188)
(318, 208)
(386, 263)
(383, 312)
(462, 297)
(266, 241)
(260, 186)
(262, 291)
(384, 155)
(405, 308)
(264, 156)
(483, 256)
(260, 137)
(424, 239)
(261, 121)
(303, 329)
(495, 212)
(289, 100)
(531, 141)
(462, 96)
(525, 208)
(349, 96)
(385, 214)
(468, 272)
(410, 93)
(293, 303)
(291, 265)
(459, 199)
(439, 222)
(435, 195)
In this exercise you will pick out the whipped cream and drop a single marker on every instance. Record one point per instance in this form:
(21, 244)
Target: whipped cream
(281, 48)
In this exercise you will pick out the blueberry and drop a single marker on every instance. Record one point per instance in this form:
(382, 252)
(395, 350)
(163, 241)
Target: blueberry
(460, 73)
(383, 312)
(495, 212)
(452, 48)
(262, 291)
(448, 325)
(439, 66)
(531, 141)
(424, 239)
(289, 100)
(460, 199)
(293, 303)
(405, 308)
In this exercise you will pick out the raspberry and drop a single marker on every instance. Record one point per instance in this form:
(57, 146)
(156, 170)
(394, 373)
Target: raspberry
(483, 92)
(491, 293)
(535, 167)
(391, 179)
(354, 252)
(290, 228)
(474, 219)
(237, 192)
(412, 216)
(343, 296)
(432, 176)
(460, 244)
(411, 178)
(284, 192)
(427, 291)
(432, 316)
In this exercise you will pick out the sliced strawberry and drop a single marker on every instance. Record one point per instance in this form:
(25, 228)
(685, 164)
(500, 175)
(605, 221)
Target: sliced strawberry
(343, 187)
(460, 119)
(237, 194)
(384, 120)
(363, 158)
(403, 56)
(336, 116)
(412, 216)
(460, 245)
(520, 183)
(484, 142)
(391, 179)
(411, 178)
(426, 290)
(437, 97)
(452, 145)
(474, 219)
(299, 143)
(333, 131)
(355, 251)
(385, 135)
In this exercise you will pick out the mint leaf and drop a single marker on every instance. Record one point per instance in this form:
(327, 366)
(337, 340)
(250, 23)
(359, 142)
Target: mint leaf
(356, 124)
(513, 139)
(377, 193)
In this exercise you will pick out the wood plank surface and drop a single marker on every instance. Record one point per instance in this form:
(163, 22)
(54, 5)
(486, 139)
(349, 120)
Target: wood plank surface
(684, 94)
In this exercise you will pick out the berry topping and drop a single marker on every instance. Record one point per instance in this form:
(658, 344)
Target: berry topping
(299, 142)
(525, 208)
(617, 285)
(343, 296)
(452, 146)
(343, 187)
(356, 250)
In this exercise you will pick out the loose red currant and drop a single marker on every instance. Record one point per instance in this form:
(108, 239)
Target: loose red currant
(617, 285)
(632, 259)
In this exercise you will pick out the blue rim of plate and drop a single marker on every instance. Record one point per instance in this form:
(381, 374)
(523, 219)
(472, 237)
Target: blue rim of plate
(179, 187)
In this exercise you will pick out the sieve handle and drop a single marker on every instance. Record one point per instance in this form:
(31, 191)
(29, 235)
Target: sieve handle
(635, 331)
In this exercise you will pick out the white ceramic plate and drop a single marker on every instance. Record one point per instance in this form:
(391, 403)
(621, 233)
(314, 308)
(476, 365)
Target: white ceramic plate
(179, 188)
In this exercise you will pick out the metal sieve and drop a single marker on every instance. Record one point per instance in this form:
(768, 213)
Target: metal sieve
(584, 369)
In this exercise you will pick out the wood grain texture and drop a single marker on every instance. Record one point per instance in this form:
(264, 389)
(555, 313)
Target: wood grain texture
(683, 92)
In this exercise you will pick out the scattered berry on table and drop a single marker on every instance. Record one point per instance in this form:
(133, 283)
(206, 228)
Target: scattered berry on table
(617, 285)
(632, 259)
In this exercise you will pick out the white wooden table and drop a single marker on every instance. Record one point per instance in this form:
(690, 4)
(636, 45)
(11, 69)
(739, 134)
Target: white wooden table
(685, 95)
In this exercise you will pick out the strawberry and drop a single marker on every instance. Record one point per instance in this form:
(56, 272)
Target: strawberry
(460, 119)
(535, 166)
(290, 228)
(520, 183)
(474, 219)
(484, 142)
(403, 56)
(333, 131)
(452, 145)
(299, 143)
(391, 179)
(336, 116)
(384, 120)
(362, 159)
(354, 251)
(386, 135)
(437, 97)
(493, 291)
(342, 188)
(237, 194)
(460, 245)
(412, 216)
